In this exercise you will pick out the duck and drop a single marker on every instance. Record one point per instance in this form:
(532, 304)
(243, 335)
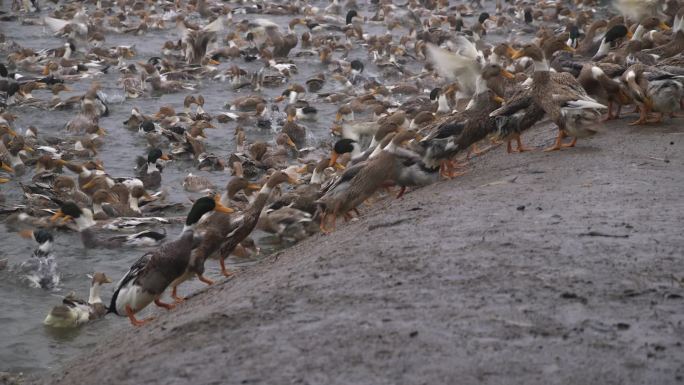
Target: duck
(245, 103)
(612, 37)
(151, 274)
(76, 28)
(519, 114)
(463, 66)
(65, 189)
(346, 146)
(151, 174)
(245, 223)
(74, 312)
(287, 223)
(86, 119)
(666, 92)
(212, 231)
(40, 270)
(674, 46)
(361, 181)
(127, 204)
(198, 41)
(275, 157)
(197, 183)
(461, 130)
(87, 172)
(7, 168)
(604, 88)
(654, 90)
(93, 238)
(562, 98)
(294, 131)
(100, 198)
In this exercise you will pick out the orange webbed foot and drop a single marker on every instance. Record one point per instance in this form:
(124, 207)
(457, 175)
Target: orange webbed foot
(175, 296)
(205, 279)
(134, 321)
(167, 306)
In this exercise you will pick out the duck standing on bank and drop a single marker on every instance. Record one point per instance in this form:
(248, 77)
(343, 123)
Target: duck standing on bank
(150, 275)
(249, 219)
(562, 98)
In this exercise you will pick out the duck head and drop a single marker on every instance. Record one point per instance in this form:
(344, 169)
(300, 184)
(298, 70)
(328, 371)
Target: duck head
(152, 157)
(70, 211)
(350, 16)
(343, 146)
(43, 237)
(96, 281)
(203, 206)
(237, 184)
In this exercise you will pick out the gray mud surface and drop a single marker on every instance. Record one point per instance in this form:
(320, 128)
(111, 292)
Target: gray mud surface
(535, 268)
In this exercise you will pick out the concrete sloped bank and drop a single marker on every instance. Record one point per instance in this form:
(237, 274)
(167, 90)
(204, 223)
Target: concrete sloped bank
(540, 268)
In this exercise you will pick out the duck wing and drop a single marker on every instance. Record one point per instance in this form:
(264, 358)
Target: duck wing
(55, 25)
(463, 65)
(347, 175)
(134, 272)
(514, 105)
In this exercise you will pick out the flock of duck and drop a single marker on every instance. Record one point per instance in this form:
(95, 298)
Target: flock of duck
(446, 86)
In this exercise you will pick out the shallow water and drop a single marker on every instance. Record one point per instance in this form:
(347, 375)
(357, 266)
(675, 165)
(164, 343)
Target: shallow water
(25, 344)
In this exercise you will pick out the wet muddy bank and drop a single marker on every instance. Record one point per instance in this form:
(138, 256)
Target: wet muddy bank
(540, 268)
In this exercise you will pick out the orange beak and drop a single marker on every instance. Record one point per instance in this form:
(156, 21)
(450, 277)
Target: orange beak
(164, 157)
(56, 216)
(89, 185)
(507, 74)
(291, 143)
(333, 159)
(221, 208)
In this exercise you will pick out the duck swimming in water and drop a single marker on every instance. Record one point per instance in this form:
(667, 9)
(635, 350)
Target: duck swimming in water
(40, 270)
(93, 238)
(74, 312)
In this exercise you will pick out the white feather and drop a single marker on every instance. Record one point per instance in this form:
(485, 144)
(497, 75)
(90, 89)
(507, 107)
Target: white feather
(55, 25)
(216, 25)
(581, 103)
(133, 296)
(456, 65)
(596, 72)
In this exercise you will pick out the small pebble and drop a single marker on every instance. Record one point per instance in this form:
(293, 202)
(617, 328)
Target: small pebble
(622, 326)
